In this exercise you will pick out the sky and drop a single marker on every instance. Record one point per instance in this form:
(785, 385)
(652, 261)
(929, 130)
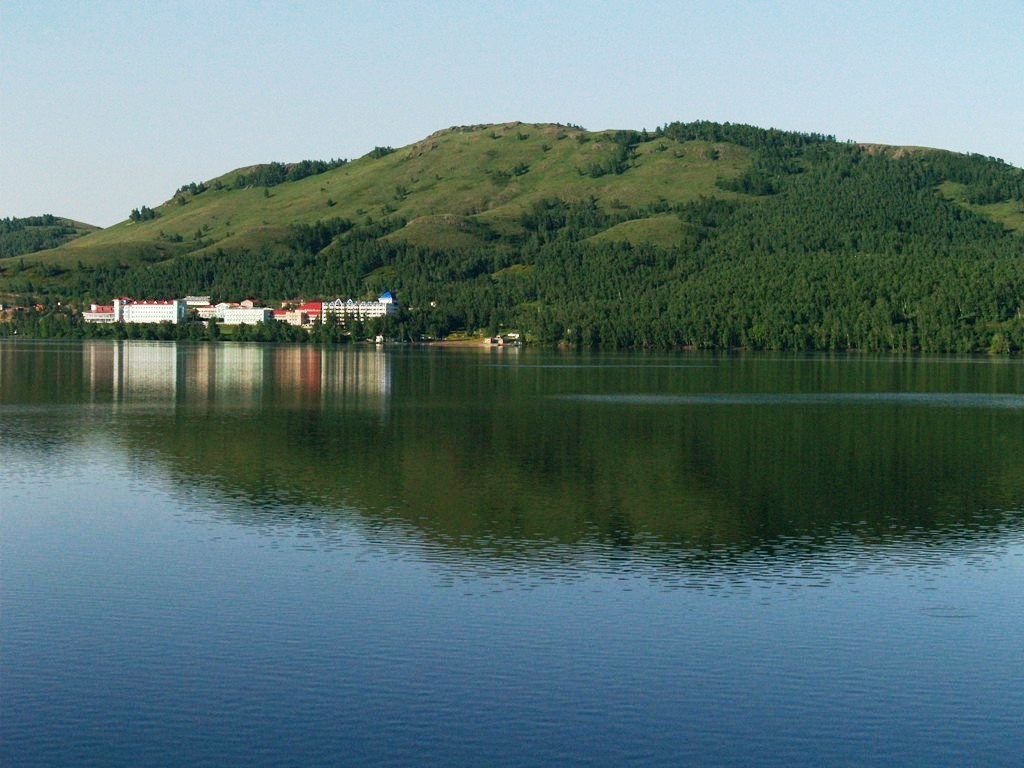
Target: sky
(108, 106)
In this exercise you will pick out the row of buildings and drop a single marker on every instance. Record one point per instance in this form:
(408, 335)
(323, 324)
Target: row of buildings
(343, 311)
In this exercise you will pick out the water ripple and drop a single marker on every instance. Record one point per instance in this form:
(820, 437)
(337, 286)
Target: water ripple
(934, 399)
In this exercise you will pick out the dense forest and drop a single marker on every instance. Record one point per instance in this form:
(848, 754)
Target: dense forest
(816, 244)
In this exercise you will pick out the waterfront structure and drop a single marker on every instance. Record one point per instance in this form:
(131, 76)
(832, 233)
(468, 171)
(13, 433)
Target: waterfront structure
(306, 314)
(505, 340)
(246, 312)
(244, 315)
(126, 310)
(359, 311)
(303, 315)
(99, 313)
(161, 311)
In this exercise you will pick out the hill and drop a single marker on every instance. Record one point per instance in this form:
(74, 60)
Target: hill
(487, 174)
(38, 233)
(695, 234)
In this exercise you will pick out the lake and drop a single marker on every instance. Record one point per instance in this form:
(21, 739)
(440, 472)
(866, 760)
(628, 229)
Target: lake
(287, 555)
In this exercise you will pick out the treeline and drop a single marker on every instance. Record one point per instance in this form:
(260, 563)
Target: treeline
(19, 236)
(275, 173)
(987, 179)
(771, 140)
(11, 224)
(269, 175)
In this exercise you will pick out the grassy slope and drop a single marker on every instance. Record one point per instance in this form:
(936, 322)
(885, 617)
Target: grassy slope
(1010, 214)
(81, 228)
(438, 185)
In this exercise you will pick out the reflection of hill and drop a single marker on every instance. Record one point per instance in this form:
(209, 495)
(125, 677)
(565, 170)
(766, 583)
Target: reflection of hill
(488, 456)
(485, 465)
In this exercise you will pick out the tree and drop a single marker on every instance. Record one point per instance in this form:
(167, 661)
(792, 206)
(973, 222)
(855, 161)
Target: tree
(144, 213)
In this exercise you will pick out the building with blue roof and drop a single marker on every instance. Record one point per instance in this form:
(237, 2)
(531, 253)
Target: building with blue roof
(345, 310)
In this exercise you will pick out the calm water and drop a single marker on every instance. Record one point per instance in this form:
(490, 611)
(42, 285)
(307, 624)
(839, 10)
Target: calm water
(230, 554)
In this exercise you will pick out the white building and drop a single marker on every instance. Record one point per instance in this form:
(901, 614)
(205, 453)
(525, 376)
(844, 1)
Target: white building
(168, 311)
(360, 311)
(99, 313)
(218, 310)
(244, 315)
(131, 311)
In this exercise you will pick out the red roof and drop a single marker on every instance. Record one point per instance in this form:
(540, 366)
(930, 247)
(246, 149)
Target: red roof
(311, 306)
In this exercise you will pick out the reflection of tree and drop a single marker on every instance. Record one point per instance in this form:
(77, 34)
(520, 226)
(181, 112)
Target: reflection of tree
(715, 481)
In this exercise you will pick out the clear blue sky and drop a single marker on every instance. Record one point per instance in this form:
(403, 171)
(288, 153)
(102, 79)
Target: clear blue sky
(106, 106)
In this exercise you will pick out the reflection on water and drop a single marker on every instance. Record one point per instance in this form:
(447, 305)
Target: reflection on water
(232, 375)
(239, 554)
(942, 399)
(683, 459)
(126, 372)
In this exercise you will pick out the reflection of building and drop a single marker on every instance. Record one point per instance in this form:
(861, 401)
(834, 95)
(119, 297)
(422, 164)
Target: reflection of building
(227, 374)
(147, 369)
(297, 372)
(238, 375)
(357, 374)
(131, 370)
(98, 363)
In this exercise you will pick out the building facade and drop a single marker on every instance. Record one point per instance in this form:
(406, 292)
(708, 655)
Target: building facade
(131, 311)
(345, 311)
(341, 311)
(99, 313)
(244, 315)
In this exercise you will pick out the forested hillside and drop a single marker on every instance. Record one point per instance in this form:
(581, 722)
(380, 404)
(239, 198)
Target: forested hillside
(695, 234)
(37, 233)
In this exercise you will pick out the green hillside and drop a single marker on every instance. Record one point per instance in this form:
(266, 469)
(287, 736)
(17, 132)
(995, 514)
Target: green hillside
(38, 233)
(487, 174)
(695, 234)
